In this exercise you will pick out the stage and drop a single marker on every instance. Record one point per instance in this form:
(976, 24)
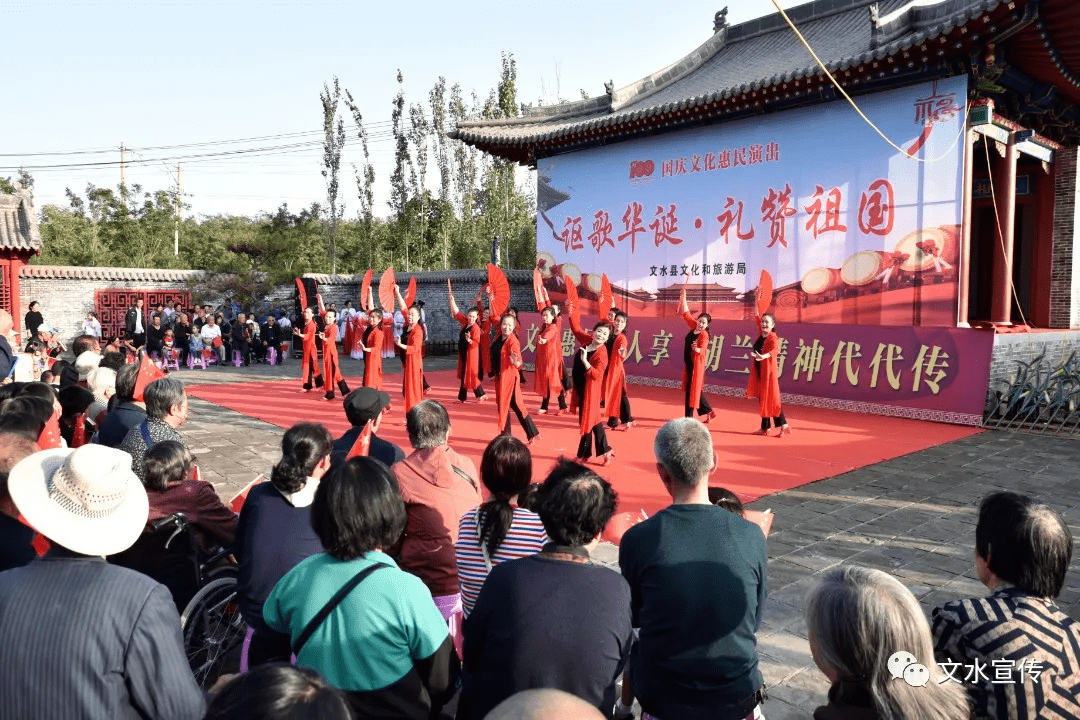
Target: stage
(824, 443)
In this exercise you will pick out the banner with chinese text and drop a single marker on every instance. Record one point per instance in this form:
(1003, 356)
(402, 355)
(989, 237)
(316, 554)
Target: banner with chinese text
(852, 230)
(933, 373)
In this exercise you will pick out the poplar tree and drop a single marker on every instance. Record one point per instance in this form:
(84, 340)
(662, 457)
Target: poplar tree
(333, 142)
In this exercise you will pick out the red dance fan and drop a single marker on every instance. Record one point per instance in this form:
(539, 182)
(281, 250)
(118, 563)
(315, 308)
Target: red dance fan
(302, 294)
(572, 297)
(410, 292)
(538, 289)
(386, 290)
(764, 293)
(606, 300)
(322, 308)
(500, 290)
(365, 291)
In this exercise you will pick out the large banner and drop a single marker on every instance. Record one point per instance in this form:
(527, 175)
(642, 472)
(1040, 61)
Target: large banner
(851, 229)
(920, 372)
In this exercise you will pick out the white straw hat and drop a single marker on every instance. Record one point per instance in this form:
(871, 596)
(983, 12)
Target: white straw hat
(87, 500)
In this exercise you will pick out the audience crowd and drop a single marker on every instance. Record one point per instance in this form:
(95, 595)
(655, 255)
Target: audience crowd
(413, 585)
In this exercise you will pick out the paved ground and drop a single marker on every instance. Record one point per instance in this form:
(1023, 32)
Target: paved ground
(913, 516)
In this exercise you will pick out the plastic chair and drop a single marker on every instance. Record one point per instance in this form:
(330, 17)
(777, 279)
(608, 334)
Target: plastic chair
(237, 360)
(172, 360)
(271, 355)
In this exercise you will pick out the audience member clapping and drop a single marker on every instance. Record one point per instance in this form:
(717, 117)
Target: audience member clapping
(1031, 648)
(552, 620)
(278, 691)
(385, 642)
(274, 533)
(498, 530)
(862, 624)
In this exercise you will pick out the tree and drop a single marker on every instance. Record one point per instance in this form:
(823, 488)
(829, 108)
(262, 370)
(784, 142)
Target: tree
(399, 194)
(333, 142)
(365, 184)
(437, 99)
(418, 132)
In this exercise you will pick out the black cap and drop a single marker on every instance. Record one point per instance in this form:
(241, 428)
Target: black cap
(365, 404)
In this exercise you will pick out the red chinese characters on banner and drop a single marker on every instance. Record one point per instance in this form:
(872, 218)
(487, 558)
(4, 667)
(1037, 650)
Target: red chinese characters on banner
(571, 234)
(601, 234)
(730, 218)
(876, 208)
(632, 222)
(824, 217)
(755, 154)
(665, 226)
(775, 210)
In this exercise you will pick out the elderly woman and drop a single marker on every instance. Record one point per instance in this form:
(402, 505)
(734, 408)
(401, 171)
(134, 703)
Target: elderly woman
(857, 619)
(498, 530)
(169, 477)
(553, 619)
(385, 643)
(274, 533)
(102, 383)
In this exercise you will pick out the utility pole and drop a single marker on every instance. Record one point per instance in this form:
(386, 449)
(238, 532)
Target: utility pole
(123, 180)
(179, 209)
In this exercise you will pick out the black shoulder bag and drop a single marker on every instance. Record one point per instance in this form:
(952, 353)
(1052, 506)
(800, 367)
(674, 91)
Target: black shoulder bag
(328, 608)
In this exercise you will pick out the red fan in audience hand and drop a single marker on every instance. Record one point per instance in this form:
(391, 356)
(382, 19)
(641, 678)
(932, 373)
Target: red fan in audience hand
(148, 373)
(764, 293)
(365, 291)
(606, 300)
(362, 446)
(302, 294)
(500, 290)
(572, 303)
(386, 290)
(410, 292)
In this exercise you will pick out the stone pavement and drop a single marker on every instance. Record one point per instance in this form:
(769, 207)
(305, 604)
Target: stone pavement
(913, 516)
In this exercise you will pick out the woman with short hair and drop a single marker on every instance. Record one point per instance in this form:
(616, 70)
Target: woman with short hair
(274, 533)
(278, 691)
(385, 642)
(857, 619)
(499, 530)
(169, 477)
(553, 619)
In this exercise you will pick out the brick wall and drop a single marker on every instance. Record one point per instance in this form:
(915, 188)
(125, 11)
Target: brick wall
(1065, 265)
(66, 294)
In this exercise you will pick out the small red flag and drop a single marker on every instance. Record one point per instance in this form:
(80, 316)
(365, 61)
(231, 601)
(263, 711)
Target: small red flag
(237, 502)
(78, 437)
(148, 373)
(50, 435)
(362, 444)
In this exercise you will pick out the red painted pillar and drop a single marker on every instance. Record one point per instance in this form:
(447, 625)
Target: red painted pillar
(965, 231)
(1001, 305)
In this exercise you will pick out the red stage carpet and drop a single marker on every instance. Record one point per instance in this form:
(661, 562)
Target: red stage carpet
(824, 443)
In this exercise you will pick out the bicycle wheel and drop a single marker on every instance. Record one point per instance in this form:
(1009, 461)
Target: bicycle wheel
(213, 631)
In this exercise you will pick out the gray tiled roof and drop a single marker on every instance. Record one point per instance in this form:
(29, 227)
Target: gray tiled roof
(743, 58)
(18, 223)
(66, 272)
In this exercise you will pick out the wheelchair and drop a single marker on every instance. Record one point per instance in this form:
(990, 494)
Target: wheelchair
(203, 588)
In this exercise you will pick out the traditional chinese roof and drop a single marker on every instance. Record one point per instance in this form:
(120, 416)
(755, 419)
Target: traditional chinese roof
(18, 223)
(760, 66)
(63, 272)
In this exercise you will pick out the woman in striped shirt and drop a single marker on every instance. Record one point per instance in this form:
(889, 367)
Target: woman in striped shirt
(497, 530)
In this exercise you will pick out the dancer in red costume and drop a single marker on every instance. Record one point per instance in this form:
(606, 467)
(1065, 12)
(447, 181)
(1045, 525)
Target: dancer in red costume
(371, 344)
(486, 370)
(410, 350)
(694, 353)
(309, 365)
(549, 360)
(468, 367)
(764, 379)
(588, 385)
(508, 384)
(615, 400)
(331, 361)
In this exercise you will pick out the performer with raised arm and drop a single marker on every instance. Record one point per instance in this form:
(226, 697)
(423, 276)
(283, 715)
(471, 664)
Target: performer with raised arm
(468, 367)
(331, 361)
(508, 384)
(309, 365)
(371, 344)
(764, 381)
(410, 350)
(615, 400)
(549, 361)
(694, 353)
(588, 387)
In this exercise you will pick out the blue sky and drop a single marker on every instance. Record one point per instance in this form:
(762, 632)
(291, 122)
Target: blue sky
(84, 76)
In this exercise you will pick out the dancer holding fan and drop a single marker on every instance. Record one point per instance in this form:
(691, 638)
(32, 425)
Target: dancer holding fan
(468, 367)
(615, 400)
(309, 366)
(410, 350)
(548, 349)
(764, 381)
(508, 384)
(588, 386)
(694, 354)
(371, 343)
(331, 361)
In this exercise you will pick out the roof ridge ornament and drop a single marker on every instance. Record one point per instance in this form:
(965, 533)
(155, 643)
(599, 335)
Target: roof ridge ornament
(720, 20)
